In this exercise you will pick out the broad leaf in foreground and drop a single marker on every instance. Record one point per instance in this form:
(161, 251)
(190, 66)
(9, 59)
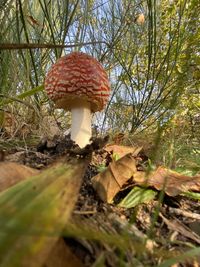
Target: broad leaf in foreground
(34, 212)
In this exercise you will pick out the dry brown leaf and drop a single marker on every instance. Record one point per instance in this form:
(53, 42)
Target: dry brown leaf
(172, 182)
(110, 182)
(121, 151)
(12, 173)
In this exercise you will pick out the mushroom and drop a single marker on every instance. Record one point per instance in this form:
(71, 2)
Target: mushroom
(77, 82)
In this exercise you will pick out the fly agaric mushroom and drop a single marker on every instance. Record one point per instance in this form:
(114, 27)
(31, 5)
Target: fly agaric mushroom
(77, 82)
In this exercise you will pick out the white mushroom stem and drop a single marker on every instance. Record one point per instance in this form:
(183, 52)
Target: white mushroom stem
(81, 131)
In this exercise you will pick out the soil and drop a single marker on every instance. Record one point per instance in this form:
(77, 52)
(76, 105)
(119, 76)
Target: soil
(157, 231)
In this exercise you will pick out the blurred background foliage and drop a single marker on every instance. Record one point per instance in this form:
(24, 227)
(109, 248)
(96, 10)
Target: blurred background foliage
(150, 50)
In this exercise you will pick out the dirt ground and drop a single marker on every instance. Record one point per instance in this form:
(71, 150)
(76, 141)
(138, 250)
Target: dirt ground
(174, 228)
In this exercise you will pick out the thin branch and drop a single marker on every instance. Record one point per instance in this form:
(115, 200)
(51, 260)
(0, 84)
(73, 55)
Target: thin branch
(9, 46)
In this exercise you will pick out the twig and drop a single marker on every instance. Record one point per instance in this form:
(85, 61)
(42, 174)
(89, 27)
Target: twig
(185, 213)
(132, 229)
(182, 229)
(9, 46)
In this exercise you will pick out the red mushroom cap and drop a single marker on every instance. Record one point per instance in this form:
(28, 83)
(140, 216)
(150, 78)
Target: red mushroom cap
(78, 76)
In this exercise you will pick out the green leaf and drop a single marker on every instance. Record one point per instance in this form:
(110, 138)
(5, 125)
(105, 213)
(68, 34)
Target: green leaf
(137, 196)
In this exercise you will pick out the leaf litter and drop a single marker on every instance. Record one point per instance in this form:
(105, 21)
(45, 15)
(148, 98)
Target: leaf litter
(98, 219)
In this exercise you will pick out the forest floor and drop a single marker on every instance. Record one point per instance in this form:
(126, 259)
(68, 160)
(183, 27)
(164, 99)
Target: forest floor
(159, 230)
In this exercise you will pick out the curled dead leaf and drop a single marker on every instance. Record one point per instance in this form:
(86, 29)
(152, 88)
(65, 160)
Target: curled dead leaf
(109, 183)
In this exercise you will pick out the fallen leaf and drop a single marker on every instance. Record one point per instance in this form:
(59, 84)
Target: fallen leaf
(121, 151)
(12, 173)
(171, 182)
(109, 182)
(124, 171)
